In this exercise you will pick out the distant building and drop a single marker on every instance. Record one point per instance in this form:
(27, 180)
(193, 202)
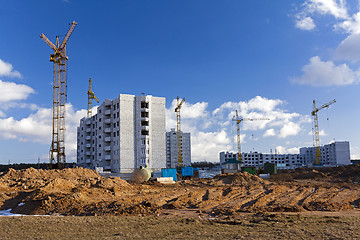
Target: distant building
(172, 149)
(256, 159)
(333, 154)
(126, 133)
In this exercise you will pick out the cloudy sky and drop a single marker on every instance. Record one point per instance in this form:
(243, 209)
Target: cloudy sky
(266, 59)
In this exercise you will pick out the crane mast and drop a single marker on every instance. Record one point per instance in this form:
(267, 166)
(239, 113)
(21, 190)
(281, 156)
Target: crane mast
(91, 96)
(59, 59)
(317, 160)
(178, 130)
(238, 120)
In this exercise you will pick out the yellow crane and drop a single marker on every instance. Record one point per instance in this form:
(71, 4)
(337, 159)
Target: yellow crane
(317, 160)
(59, 58)
(91, 96)
(178, 130)
(238, 120)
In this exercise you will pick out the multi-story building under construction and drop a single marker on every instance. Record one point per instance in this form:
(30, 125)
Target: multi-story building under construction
(333, 154)
(172, 148)
(124, 134)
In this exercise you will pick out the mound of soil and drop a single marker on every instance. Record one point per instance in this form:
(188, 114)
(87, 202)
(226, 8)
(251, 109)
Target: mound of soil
(80, 191)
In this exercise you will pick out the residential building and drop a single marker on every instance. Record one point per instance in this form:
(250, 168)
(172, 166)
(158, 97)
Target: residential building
(124, 134)
(172, 148)
(256, 159)
(333, 154)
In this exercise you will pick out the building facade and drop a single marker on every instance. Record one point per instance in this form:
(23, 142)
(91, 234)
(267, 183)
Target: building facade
(256, 159)
(333, 154)
(172, 148)
(126, 133)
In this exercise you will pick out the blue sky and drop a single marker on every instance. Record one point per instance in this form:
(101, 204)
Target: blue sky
(264, 58)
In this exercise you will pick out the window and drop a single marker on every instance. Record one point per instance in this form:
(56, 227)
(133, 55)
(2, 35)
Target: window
(144, 123)
(117, 105)
(99, 119)
(144, 132)
(117, 133)
(114, 125)
(114, 134)
(99, 128)
(99, 110)
(117, 114)
(144, 114)
(114, 106)
(99, 145)
(117, 123)
(144, 105)
(114, 115)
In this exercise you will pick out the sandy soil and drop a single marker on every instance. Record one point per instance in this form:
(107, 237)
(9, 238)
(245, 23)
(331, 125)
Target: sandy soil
(82, 192)
(301, 204)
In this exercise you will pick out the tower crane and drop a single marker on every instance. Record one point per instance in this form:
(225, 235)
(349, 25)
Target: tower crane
(59, 58)
(238, 120)
(91, 96)
(178, 130)
(317, 160)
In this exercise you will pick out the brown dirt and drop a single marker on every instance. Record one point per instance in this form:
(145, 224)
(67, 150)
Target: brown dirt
(82, 192)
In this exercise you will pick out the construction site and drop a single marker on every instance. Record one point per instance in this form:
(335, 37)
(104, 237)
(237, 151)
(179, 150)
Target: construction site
(160, 200)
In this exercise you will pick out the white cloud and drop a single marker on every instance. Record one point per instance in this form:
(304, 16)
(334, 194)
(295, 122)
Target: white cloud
(284, 150)
(349, 49)
(37, 127)
(6, 69)
(306, 23)
(327, 7)
(326, 73)
(289, 129)
(10, 91)
(270, 132)
(351, 25)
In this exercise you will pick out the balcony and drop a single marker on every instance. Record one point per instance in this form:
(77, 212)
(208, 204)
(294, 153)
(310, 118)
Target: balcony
(88, 130)
(108, 121)
(145, 119)
(88, 145)
(107, 130)
(107, 157)
(145, 128)
(88, 153)
(88, 160)
(108, 112)
(145, 110)
(108, 148)
(87, 122)
(107, 103)
(88, 138)
(108, 167)
(108, 139)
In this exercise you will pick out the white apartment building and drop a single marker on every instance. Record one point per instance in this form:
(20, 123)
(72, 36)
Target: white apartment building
(333, 154)
(256, 159)
(126, 133)
(172, 148)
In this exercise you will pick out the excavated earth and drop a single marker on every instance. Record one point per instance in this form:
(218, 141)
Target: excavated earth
(83, 192)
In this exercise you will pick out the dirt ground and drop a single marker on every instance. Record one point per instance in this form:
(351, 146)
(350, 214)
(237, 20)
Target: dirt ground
(292, 198)
(244, 226)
